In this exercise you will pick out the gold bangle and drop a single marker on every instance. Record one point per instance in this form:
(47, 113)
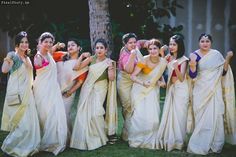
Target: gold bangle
(69, 94)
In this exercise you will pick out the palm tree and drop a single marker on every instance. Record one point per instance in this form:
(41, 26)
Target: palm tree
(99, 23)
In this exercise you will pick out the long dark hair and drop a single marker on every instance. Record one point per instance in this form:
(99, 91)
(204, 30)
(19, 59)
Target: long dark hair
(180, 42)
(19, 37)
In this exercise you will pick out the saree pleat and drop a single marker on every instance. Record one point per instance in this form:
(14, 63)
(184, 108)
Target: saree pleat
(90, 128)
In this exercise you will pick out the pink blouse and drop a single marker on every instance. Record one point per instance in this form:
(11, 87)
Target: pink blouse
(123, 59)
(124, 55)
(44, 63)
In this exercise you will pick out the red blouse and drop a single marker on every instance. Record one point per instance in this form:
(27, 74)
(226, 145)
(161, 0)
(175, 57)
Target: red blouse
(179, 67)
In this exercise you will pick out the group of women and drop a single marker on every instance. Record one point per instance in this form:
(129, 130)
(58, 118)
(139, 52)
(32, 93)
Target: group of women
(199, 96)
(40, 121)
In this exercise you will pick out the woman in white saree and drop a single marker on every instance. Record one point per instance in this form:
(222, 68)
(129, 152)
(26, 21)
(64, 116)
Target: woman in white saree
(48, 98)
(21, 118)
(128, 58)
(206, 68)
(70, 79)
(90, 128)
(145, 94)
(172, 131)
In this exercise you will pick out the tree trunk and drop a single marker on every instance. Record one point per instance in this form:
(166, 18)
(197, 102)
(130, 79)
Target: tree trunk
(99, 23)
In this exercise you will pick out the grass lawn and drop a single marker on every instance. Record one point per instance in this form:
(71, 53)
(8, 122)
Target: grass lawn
(121, 148)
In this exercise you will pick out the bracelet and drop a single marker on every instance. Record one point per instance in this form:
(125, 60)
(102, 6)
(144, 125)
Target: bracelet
(7, 59)
(69, 94)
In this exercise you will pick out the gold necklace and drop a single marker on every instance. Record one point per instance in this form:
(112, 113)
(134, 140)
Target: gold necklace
(202, 53)
(154, 62)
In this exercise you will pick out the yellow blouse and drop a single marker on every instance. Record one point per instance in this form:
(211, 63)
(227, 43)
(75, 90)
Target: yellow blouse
(144, 67)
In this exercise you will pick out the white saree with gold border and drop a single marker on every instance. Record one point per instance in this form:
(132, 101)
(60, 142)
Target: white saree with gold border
(66, 78)
(124, 85)
(91, 128)
(208, 106)
(145, 103)
(50, 108)
(21, 120)
(172, 130)
(230, 110)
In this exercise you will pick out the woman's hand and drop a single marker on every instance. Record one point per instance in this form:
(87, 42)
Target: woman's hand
(85, 54)
(111, 70)
(28, 52)
(193, 62)
(161, 84)
(145, 45)
(133, 53)
(146, 84)
(8, 62)
(60, 45)
(175, 64)
(67, 94)
(164, 47)
(229, 55)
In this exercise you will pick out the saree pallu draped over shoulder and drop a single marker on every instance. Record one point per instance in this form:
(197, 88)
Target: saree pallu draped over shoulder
(124, 85)
(66, 78)
(145, 105)
(90, 128)
(21, 120)
(208, 106)
(50, 109)
(172, 130)
(230, 110)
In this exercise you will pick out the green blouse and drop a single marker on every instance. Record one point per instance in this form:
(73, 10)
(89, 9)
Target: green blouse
(104, 74)
(17, 62)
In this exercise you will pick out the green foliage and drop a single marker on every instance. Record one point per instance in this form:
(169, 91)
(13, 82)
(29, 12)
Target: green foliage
(143, 17)
(62, 19)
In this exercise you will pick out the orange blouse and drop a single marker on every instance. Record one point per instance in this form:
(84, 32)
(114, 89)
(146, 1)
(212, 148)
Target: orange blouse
(144, 67)
(57, 56)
